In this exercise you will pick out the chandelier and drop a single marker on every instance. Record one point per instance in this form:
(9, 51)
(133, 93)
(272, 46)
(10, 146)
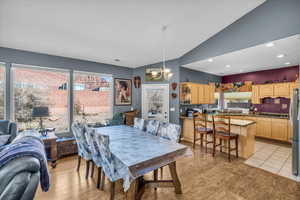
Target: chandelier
(165, 72)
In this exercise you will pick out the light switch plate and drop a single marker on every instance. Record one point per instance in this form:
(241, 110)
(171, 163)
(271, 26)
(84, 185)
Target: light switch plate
(172, 109)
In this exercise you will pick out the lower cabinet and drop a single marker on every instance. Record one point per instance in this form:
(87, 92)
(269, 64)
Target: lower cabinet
(280, 129)
(263, 127)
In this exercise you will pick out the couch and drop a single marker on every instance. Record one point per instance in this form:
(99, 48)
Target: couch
(8, 132)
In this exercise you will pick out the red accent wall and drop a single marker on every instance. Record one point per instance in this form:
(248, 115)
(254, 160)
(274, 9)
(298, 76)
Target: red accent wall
(260, 77)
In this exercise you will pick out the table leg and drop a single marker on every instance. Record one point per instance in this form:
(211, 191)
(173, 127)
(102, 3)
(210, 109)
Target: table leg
(53, 153)
(175, 178)
(132, 192)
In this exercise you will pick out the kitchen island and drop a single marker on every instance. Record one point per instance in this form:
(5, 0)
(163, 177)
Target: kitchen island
(246, 129)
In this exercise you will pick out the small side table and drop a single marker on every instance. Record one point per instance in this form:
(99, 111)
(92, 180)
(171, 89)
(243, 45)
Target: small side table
(50, 140)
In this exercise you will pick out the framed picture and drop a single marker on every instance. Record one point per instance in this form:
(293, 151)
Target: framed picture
(154, 74)
(123, 92)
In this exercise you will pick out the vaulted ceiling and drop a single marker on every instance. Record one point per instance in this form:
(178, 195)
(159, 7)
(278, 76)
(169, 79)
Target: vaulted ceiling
(128, 30)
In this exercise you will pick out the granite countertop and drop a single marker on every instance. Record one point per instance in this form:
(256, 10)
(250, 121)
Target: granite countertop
(269, 115)
(236, 122)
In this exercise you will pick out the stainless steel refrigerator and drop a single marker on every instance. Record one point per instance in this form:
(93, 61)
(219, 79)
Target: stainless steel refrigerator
(295, 140)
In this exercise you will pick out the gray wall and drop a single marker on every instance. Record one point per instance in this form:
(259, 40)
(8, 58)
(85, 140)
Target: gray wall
(273, 20)
(9, 56)
(174, 103)
(189, 75)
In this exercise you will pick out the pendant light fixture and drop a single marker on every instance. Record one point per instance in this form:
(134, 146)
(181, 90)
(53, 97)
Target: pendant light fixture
(166, 72)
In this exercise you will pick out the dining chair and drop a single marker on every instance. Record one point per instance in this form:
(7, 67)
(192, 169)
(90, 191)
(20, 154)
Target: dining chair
(84, 151)
(96, 156)
(139, 123)
(152, 126)
(201, 129)
(222, 131)
(109, 162)
(170, 132)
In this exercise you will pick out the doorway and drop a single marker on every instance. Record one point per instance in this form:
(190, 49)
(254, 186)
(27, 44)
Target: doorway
(155, 102)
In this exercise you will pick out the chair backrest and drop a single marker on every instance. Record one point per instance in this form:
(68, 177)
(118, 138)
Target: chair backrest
(139, 123)
(152, 126)
(79, 131)
(108, 164)
(200, 121)
(91, 139)
(169, 131)
(221, 123)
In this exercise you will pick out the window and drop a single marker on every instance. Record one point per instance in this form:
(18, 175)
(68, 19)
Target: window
(92, 97)
(35, 87)
(2, 90)
(237, 100)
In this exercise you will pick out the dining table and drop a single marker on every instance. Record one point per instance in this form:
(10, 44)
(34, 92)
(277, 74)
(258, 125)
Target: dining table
(139, 153)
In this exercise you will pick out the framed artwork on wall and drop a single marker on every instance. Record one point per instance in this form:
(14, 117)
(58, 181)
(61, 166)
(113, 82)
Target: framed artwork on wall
(154, 75)
(122, 92)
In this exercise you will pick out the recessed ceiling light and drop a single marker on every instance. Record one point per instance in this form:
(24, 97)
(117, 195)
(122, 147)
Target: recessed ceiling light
(117, 60)
(228, 66)
(270, 44)
(287, 63)
(241, 70)
(280, 55)
(210, 60)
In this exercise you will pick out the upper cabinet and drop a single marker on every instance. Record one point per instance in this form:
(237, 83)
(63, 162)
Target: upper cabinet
(255, 94)
(266, 90)
(282, 90)
(193, 93)
(273, 90)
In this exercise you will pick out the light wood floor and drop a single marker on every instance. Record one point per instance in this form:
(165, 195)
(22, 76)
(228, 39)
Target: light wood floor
(202, 177)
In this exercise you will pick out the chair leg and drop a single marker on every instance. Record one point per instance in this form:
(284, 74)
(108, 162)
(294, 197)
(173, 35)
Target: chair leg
(229, 150)
(194, 142)
(102, 181)
(93, 167)
(221, 145)
(214, 146)
(87, 169)
(112, 190)
(78, 163)
(155, 176)
(201, 140)
(99, 177)
(205, 143)
(161, 173)
(237, 147)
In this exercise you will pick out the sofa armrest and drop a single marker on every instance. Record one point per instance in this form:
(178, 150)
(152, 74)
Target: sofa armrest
(20, 176)
(12, 129)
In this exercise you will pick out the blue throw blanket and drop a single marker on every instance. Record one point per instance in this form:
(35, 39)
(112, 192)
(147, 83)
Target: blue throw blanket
(28, 146)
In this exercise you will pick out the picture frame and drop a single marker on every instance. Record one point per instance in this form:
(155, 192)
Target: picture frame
(122, 92)
(150, 77)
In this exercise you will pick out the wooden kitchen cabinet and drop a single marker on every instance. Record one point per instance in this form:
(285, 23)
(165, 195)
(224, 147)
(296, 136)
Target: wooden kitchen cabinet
(280, 129)
(290, 132)
(282, 90)
(193, 93)
(264, 127)
(255, 94)
(293, 86)
(266, 90)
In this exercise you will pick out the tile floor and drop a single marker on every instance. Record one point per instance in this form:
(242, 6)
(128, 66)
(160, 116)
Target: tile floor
(274, 158)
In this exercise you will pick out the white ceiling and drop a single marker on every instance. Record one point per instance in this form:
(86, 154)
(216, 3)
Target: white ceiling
(252, 59)
(129, 30)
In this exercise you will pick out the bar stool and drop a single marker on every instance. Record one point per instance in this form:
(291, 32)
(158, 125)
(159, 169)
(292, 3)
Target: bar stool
(201, 129)
(221, 131)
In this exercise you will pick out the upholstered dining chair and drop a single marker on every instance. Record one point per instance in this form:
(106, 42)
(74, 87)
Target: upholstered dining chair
(152, 126)
(84, 151)
(96, 156)
(201, 129)
(139, 123)
(109, 162)
(170, 132)
(222, 131)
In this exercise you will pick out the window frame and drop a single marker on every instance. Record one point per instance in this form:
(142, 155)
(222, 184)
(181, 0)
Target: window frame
(34, 67)
(111, 103)
(3, 64)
